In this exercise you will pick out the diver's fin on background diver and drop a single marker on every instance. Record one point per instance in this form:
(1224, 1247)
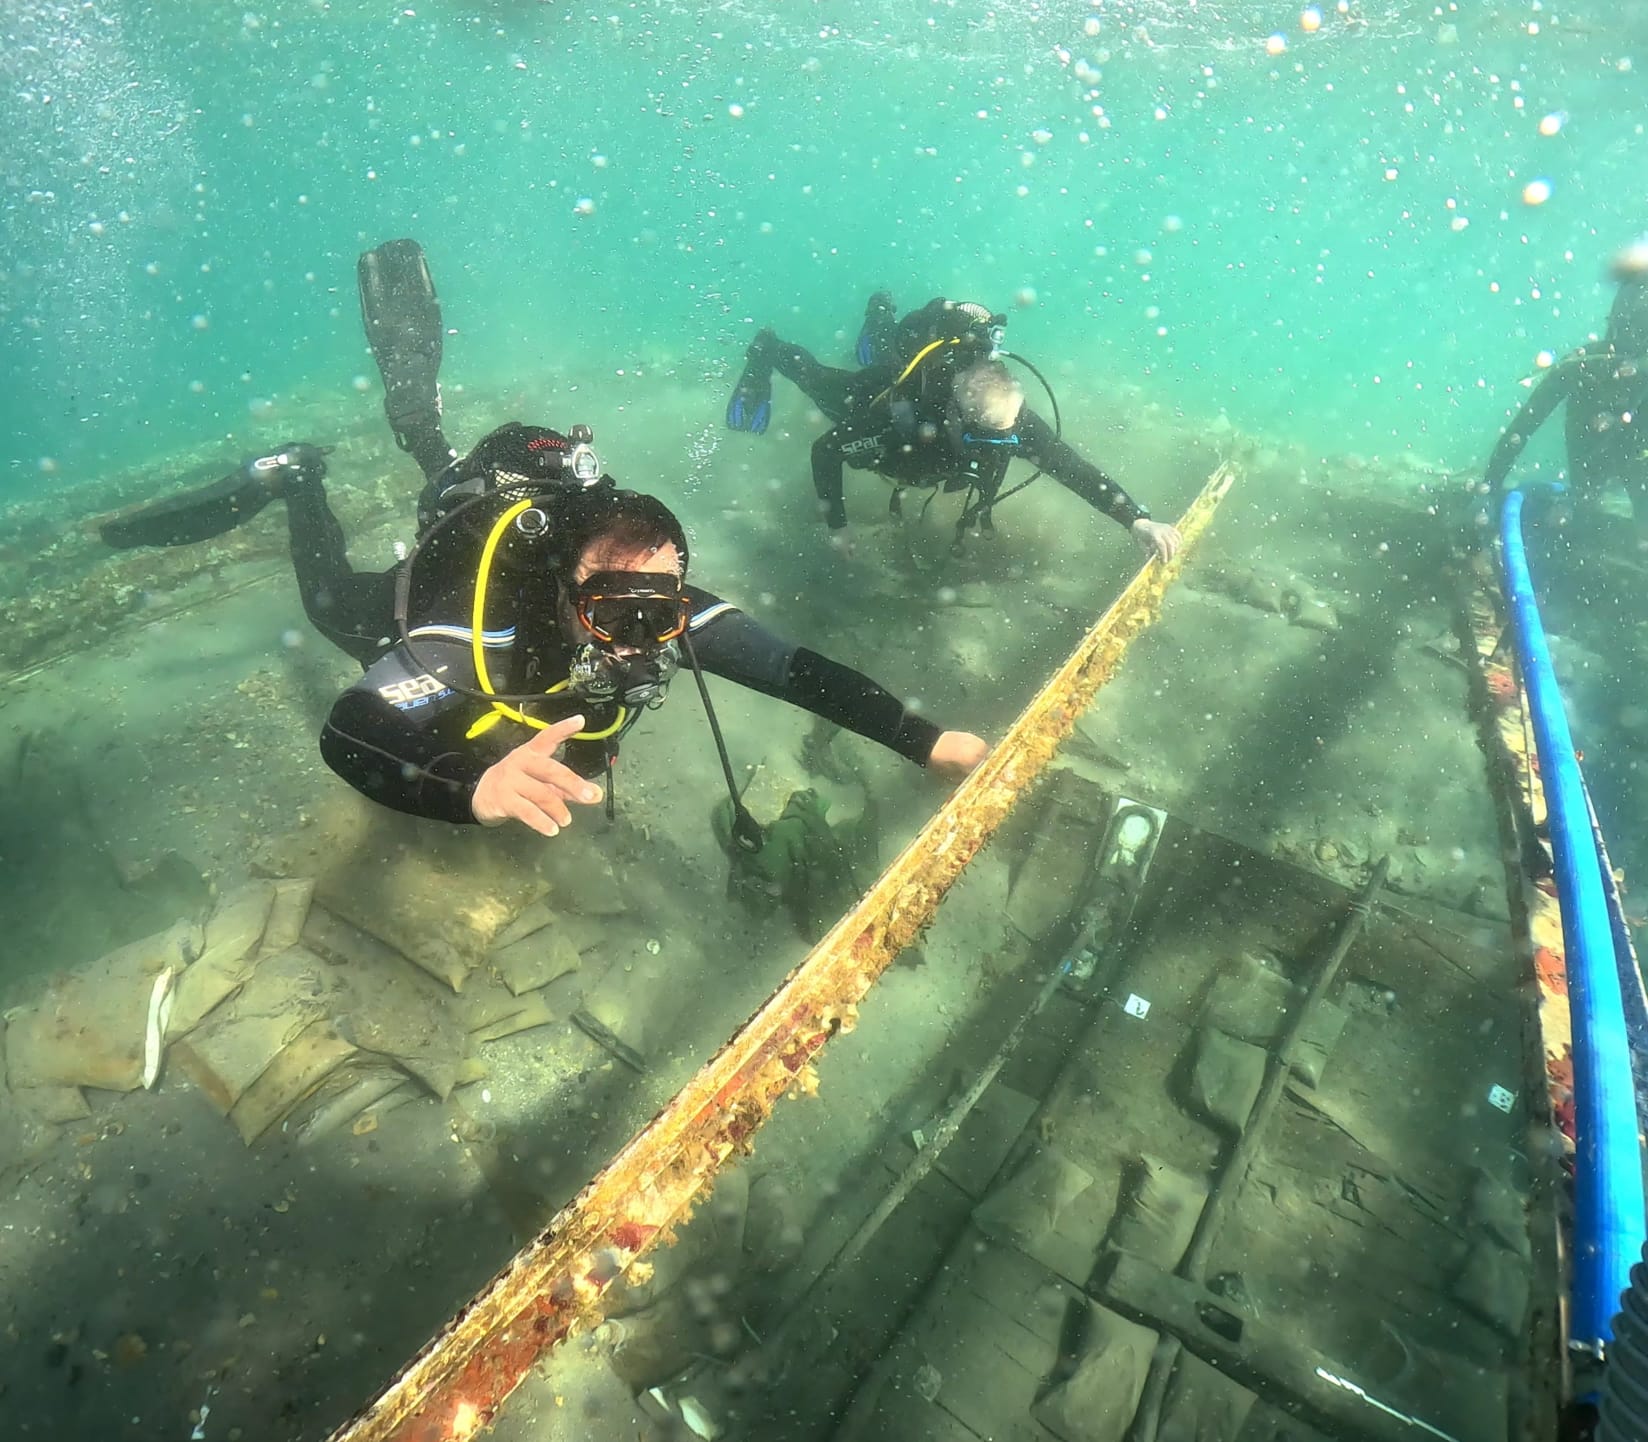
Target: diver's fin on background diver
(402, 316)
(879, 318)
(750, 408)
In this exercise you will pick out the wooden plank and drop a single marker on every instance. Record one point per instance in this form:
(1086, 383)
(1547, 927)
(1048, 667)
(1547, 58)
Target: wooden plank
(1274, 1364)
(460, 1380)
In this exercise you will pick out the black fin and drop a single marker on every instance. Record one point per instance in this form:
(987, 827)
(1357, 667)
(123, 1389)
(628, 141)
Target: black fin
(189, 516)
(402, 316)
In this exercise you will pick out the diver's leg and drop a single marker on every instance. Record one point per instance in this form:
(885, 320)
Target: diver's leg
(402, 316)
(834, 391)
(354, 610)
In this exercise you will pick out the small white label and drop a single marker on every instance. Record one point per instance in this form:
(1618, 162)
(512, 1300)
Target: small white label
(1137, 1006)
(1499, 1097)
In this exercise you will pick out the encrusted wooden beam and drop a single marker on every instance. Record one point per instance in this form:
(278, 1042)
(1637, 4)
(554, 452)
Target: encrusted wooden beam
(459, 1381)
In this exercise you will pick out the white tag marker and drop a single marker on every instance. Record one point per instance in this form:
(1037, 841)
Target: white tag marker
(1499, 1097)
(1137, 1006)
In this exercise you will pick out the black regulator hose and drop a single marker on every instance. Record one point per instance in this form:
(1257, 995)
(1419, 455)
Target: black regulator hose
(1623, 1410)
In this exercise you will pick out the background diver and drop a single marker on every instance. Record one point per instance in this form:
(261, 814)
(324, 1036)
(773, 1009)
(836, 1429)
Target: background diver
(933, 406)
(541, 612)
(1605, 387)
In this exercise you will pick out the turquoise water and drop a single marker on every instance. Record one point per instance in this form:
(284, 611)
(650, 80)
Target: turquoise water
(1329, 242)
(1353, 231)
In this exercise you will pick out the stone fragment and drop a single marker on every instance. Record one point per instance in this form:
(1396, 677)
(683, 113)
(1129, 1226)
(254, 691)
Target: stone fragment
(441, 902)
(1048, 880)
(288, 915)
(234, 933)
(531, 1010)
(236, 923)
(772, 1235)
(1202, 1404)
(238, 1041)
(302, 1065)
(1316, 1041)
(1249, 1000)
(1500, 1210)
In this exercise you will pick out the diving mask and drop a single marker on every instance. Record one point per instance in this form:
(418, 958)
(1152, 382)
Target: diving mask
(638, 609)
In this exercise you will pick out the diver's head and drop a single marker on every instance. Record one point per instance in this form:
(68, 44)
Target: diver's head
(978, 324)
(619, 558)
(521, 457)
(985, 405)
(1628, 319)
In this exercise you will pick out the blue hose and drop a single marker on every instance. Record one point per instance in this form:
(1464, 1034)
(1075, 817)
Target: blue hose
(1609, 1221)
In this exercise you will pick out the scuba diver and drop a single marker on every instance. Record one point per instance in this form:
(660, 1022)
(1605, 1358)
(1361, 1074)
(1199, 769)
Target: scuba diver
(541, 613)
(932, 407)
(1605, 387)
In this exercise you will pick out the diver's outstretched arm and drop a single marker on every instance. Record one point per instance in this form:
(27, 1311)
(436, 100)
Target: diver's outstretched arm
(402, 316)
(1551, 391)
(734, 645)
(1042, 447)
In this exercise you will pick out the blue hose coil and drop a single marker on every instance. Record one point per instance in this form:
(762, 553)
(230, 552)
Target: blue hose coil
(1609, 1222)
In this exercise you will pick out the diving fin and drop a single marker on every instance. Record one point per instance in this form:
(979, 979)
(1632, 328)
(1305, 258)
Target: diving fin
(190, 516)
(402, 316)
(750, 411)
(215, 509)
(750, 408)
(879, 317)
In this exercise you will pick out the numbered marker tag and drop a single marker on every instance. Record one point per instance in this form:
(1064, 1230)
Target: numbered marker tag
(1499, 1097)
(1137, 1006)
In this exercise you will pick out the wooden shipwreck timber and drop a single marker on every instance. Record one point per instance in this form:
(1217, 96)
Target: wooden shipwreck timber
(1260, 1152)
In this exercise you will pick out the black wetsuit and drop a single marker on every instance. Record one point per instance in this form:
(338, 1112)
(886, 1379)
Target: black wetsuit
(399, 735)
(1604, 426)
(902, 434)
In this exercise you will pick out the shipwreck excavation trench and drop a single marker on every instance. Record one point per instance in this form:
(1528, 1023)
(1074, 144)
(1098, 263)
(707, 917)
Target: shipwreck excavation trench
(374, 1096)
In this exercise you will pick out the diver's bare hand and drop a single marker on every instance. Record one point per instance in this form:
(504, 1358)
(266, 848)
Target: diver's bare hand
(530, 786)
(957, 754)
(1158, 538)
(843, 542)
